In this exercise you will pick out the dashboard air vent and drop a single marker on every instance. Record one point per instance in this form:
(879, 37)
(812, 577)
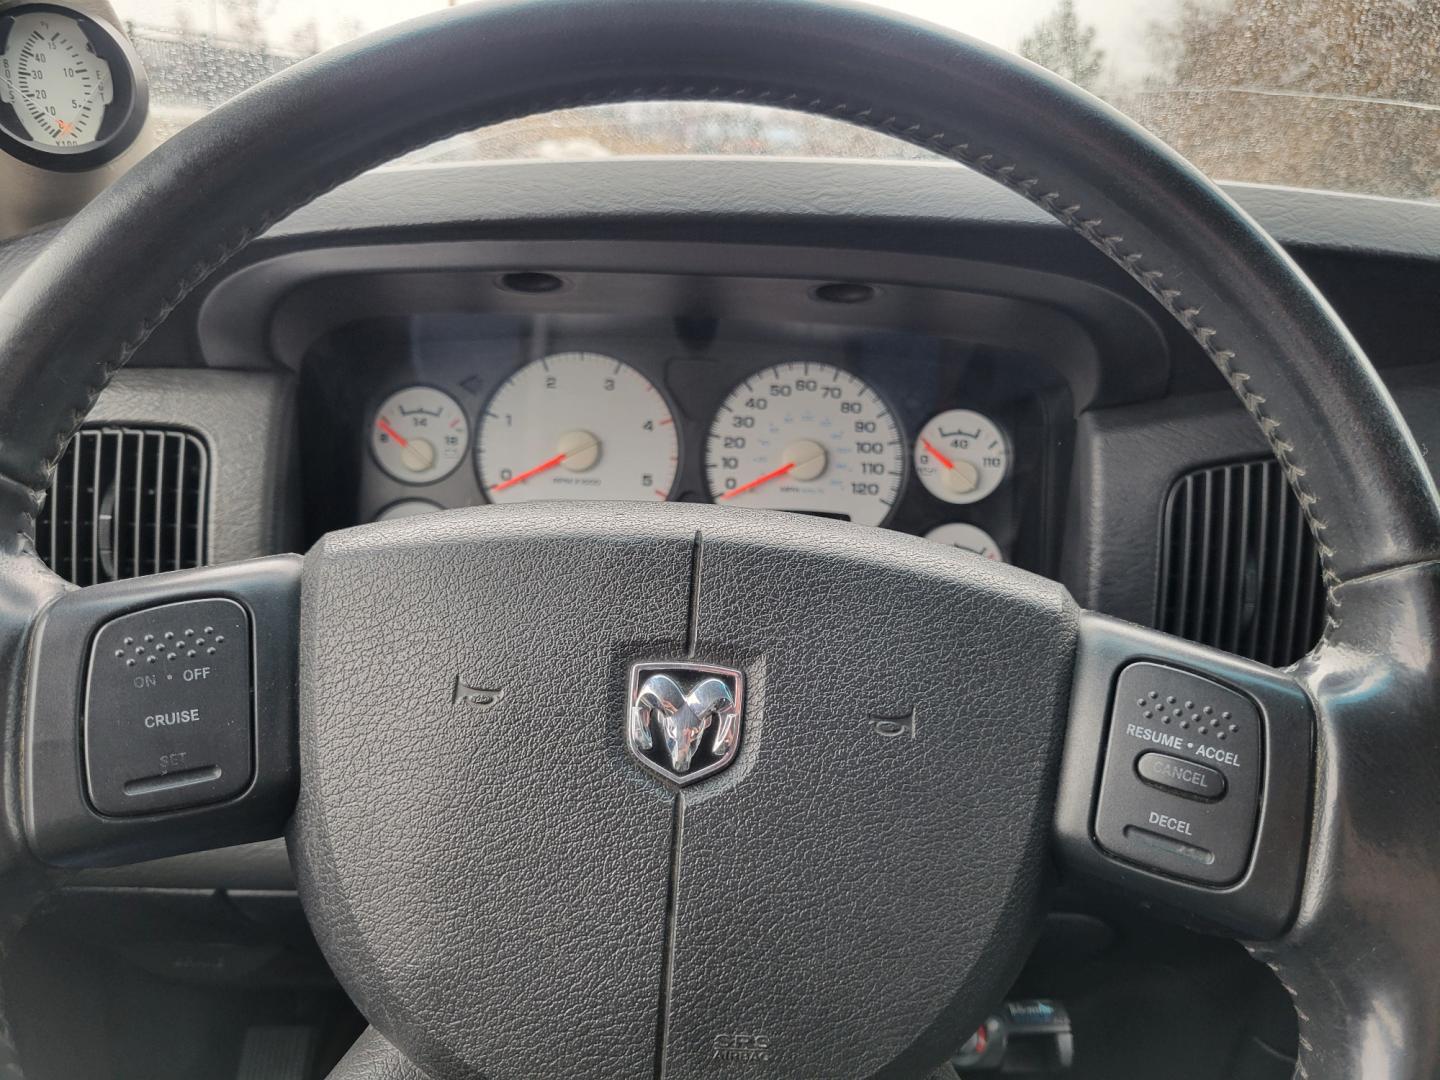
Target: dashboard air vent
(1239, 569)
(125, 502)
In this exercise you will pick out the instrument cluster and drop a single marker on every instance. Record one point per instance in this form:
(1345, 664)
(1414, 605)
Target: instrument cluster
(923, 443)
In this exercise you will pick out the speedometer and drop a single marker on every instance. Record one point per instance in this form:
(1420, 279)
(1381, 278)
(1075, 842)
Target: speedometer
(809, 438)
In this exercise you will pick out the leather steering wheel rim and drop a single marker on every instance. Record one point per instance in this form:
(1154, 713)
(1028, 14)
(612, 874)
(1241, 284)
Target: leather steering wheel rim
(1357, 961)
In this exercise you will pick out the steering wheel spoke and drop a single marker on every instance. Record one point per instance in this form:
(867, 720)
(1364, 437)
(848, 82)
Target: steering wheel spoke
(160, 715)
(1186, 778)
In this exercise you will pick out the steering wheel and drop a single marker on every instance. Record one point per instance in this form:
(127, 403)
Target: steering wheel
(494, 836)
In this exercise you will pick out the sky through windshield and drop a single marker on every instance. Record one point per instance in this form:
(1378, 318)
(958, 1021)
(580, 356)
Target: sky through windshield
(1339, 94)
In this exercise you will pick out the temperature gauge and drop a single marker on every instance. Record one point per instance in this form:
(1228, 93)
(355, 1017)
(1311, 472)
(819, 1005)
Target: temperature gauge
(961, 456)
(419, 434)
(966, 537)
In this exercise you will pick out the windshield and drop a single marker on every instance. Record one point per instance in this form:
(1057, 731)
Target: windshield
(1336, 94)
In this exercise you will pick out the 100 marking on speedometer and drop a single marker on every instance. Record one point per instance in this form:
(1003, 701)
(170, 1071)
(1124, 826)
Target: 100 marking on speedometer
(809, 438)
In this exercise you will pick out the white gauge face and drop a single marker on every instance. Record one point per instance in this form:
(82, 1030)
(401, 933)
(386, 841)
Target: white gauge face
(577, 425)
(809, 438)
(408, 508)
(967, 537)
(419, 434)
(961, 456)
(51, 77)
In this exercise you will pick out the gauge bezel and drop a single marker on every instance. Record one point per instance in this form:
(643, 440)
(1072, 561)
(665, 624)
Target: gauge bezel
(929, 534)
(470, 431)
(896, 417)
(124, 116)
(435, 507)
(484, 415)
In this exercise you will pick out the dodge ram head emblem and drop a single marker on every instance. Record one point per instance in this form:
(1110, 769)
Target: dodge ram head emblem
(684, 719)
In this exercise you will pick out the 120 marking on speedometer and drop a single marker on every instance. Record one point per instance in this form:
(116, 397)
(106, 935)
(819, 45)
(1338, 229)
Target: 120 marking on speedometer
(808, 438)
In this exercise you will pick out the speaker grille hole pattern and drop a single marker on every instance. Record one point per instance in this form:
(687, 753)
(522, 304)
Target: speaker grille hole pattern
(1199, 719)
(1239, 569)
(169, 646)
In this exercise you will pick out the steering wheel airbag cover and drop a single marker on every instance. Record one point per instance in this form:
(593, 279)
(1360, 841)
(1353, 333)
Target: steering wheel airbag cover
(508, 893)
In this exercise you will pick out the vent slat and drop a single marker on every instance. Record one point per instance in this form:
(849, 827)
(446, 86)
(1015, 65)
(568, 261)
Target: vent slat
(98, 445)
(179, 519)
(1239, 567)
(1235, 597)
(1187, 526)
(1262, 550)
(125, 502)
(1273, 615)
(73, 573)
(202, 464)
(136, 503)
(1224, 541)
(157, 503)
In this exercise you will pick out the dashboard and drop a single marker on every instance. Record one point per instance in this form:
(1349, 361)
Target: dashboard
(622, 316)
(937, 304)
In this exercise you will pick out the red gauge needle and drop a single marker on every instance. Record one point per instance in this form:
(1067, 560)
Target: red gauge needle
(384, 425)
(936, 454)
(528, 473)
(771, 475)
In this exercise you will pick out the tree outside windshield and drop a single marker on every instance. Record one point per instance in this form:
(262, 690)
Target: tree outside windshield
(1335, 94)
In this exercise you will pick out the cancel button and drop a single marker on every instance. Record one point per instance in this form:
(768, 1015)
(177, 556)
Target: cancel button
(1180, 775)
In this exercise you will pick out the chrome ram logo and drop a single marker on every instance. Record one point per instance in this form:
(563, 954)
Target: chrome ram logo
(684, 719)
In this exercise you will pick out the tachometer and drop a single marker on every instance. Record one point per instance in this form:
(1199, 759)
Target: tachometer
(810, 438)
(72, 92)
(577, 425)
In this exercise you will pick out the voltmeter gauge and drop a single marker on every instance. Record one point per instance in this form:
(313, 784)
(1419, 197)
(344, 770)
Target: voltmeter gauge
(961, 456)
(967, 537)
(73, 95)
(419, 434)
